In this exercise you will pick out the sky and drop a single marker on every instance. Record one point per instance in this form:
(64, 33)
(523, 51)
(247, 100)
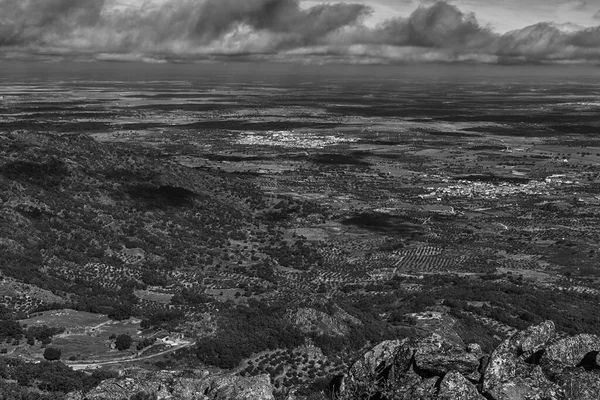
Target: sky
(304, 31)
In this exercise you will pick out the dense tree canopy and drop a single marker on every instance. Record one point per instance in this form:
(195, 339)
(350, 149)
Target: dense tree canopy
(52, 354)
(123, 342)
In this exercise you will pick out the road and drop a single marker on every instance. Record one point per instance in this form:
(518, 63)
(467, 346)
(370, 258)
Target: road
(92, 364)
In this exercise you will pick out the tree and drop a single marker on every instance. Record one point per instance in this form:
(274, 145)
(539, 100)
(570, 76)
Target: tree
(145, 343)
(153, 278)
(123, 342)
(52, 353)
(120, 312)
(10, 329)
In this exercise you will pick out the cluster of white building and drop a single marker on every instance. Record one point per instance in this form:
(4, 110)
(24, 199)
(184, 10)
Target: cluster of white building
(296, 139)
(465, 188)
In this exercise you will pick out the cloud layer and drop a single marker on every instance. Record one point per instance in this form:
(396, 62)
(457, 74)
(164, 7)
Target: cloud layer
(277, 30)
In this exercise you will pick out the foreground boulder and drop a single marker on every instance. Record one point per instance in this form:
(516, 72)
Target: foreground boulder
(505, 359)
(529, 383)
(538, 363)
(412, 369)
(454, 386)
(535, 364)
(438, 355)
(580, 384)
(385, 363)
(572, 350)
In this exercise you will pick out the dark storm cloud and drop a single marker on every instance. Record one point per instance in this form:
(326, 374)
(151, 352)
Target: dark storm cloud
(27, 21)
(588, 38)
(545, 41)
(175, 26)
(276, 29)
(217, 17)
(441, 25)
(442, 32)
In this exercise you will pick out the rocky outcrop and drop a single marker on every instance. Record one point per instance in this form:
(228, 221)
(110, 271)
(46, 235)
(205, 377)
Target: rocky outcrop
(439, 323)
(411, 368)
(424, 389)
(529, 382)
(503, 363)
(572, 350)
(178, 386)
(535, 364)
(309, 320)
(580, 384)
(454, 386)
(384, 363)
(438, 355)
(243, 388)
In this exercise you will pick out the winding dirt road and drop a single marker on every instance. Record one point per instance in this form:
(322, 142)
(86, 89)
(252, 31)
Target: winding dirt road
(93, 364)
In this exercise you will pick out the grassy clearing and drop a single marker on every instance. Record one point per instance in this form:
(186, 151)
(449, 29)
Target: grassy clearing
(157, 297)
(71, 320)
(87, 336)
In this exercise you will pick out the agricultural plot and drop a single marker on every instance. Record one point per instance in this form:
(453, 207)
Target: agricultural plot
(24, 298)
(87, 336)
(291, 367)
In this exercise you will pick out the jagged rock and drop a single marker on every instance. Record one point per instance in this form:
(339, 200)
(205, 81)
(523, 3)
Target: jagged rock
(380, 368)
(454, 386)
(310, 320)
(424, 389)
(579, 384)
(438, 355)
(439, 323)
(474, 348)
(242, 388)
(388, 357)
(501, 367)
(172, 387)
(515, 390)
(571, 350)
(476, 375)
(117, 388)
(483, 364)
(388, 367)
(517, 369)
(529, 383)
(407, 385)
(504, 360)
(342, 315)
(535, 337)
